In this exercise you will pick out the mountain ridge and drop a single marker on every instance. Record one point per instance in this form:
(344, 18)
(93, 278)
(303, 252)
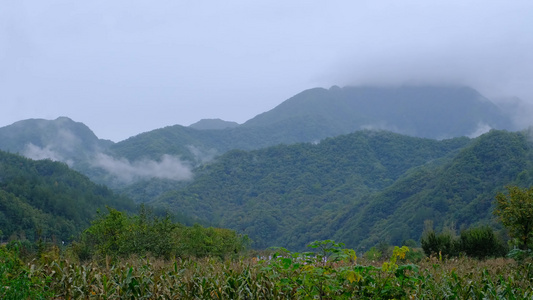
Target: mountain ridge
(309, 116)
(318, 113)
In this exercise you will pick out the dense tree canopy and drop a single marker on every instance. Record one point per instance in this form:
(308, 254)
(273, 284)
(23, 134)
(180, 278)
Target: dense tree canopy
(290, 195)
(47, 200)
(362, 188)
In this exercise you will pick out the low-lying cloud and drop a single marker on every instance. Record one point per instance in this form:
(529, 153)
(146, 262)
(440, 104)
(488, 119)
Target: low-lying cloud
(168, 167)
(202, 156)
(482, 128)
(37, 153)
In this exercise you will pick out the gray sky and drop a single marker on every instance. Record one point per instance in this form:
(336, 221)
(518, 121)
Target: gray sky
(124, 67)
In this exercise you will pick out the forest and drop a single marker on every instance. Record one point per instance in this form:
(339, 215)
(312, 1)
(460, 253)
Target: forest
(362, 188)
(42, 199)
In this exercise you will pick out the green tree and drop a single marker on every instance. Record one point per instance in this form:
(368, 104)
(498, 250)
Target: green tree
(515, 210)
(107, 231)
(443, 244)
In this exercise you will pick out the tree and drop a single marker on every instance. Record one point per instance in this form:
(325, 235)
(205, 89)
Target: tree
(515, 210)
(481, 242)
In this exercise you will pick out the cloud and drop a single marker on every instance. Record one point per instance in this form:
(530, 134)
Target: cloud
(482, 128)
(476, 43)
(168, 167)
(520, 110)
(62, 145)
(379, 126)
(202, 156)
(37, 153)
(159, 56)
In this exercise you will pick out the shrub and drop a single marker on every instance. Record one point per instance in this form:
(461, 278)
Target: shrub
(372, 254)
(481, 242)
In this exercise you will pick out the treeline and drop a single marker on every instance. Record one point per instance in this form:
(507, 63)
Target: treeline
(115, 234)
(478, 242)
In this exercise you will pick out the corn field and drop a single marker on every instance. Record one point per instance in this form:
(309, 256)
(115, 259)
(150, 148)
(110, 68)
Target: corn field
(335, 274)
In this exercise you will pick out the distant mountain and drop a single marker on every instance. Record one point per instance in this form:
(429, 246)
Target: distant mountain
(47, 200)
(74, 143)
(206, 124)
(310, 116)
(422, 111)
(315, 114)
(61, 139)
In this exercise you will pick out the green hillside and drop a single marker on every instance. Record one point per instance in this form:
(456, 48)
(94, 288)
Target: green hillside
(288, 195)
(460, 192)
(45, 199)
(363, 188)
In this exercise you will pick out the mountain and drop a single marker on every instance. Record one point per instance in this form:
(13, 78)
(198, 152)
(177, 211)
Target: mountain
(459, 192)
(424, 111)
(286, 195)
(205, 124)
(357, 185)
(315, 114)
(310, 116)
(48, 200)
(74, 143)
(363, 188)
(61, 139)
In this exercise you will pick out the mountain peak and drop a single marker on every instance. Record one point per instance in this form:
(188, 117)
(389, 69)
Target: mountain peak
(216, 124)
(424, 111)
(61, 139)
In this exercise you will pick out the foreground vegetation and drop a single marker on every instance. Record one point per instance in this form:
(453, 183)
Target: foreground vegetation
(329, 272)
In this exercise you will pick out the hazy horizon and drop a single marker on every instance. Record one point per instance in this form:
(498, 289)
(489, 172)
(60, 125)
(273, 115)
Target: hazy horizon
(123, 68)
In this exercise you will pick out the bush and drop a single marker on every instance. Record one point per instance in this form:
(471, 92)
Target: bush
(478, 242)
(442, 244)
(481, 242)
(373, 254)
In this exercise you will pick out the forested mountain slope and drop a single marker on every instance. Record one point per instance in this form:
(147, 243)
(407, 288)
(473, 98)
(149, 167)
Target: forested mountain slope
(363, 188)
(45, 199)
(287, 195)
(460, 192)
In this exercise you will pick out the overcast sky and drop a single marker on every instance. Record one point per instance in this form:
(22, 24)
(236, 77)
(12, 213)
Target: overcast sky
(124, 67)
